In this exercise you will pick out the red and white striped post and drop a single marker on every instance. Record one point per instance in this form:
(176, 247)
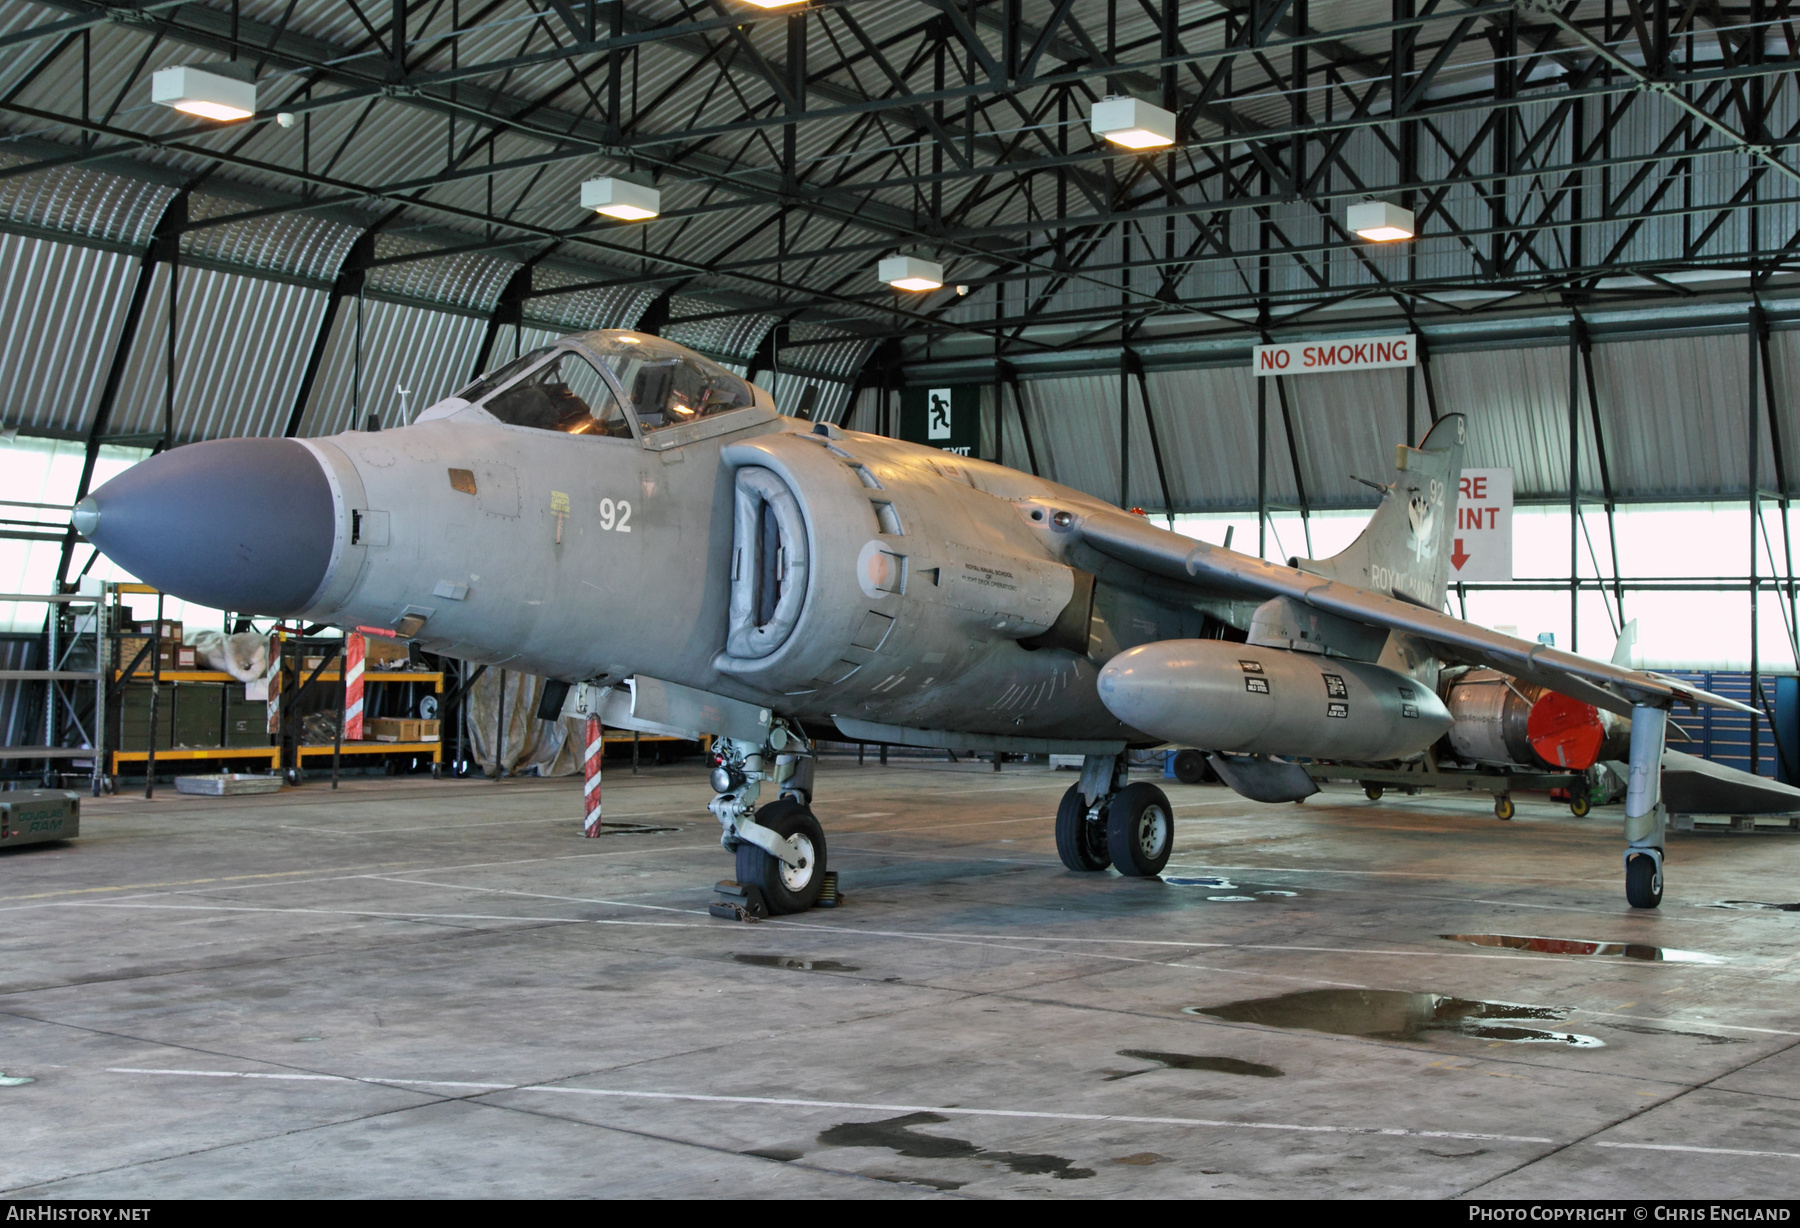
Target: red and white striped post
(356, 648)
(590, 769)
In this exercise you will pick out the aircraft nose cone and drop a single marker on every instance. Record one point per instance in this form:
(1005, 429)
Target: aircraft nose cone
(86, 517)
(237, 524)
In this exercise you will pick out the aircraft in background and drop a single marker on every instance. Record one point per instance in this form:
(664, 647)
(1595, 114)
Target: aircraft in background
(618, 512)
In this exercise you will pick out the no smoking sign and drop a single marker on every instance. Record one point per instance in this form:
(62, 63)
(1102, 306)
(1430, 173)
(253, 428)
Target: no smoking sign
(1481, 545)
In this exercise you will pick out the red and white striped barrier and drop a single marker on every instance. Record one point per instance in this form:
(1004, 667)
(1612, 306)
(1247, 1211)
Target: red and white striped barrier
(590, 770)
(356, 648)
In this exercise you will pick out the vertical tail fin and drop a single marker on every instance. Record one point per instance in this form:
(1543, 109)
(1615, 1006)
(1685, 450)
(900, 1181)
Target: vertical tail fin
(1405, 549)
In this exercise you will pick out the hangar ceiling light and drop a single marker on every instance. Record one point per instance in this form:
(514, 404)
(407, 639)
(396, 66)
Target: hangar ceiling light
(1379, 222)
(207, 93)
(1132, 123)
(775, 4)
(910, 273)
(619, 198)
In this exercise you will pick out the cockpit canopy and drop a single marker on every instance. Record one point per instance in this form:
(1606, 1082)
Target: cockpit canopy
(566, 387)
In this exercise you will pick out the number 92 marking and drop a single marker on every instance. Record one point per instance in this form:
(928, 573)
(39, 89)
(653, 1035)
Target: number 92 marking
(615, 517)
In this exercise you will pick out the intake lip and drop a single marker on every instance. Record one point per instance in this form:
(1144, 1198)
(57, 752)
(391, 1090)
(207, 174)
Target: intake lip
(245, 525)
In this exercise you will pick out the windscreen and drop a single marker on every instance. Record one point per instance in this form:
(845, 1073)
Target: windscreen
(567, 395)
(487, 383)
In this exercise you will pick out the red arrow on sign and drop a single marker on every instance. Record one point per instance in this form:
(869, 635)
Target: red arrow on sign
(1459, 556)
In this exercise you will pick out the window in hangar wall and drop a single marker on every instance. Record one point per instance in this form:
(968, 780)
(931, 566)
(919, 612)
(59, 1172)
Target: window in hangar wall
(1693, 543)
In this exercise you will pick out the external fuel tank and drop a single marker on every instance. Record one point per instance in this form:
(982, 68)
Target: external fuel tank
(1222, 696)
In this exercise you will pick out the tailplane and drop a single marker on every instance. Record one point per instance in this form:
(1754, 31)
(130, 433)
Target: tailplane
(1404, 551)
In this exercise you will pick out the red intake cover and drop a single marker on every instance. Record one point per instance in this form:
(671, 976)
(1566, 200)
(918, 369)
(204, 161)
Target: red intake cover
(1565, 731)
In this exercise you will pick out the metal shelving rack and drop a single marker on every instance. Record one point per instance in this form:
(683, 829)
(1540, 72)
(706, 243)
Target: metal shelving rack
(66, 735)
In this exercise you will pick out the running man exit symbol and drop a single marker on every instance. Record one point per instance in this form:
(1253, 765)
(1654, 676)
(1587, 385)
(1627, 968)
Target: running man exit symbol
(937, 425)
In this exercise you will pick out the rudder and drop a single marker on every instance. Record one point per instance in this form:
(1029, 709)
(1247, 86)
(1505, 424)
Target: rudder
(1404, 551)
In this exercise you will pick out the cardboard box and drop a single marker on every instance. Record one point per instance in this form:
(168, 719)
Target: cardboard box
(171, 629)
(400, 729)
(385, 654)
(128, 651)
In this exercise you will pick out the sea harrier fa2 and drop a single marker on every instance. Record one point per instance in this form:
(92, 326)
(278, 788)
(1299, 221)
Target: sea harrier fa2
(618, 514)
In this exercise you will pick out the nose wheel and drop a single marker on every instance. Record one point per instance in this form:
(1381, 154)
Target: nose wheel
(785, 888)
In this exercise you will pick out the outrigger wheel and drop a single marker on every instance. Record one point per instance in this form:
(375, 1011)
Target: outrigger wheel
(1643, 881)
(786, 888)
(1080, 843)
(1140, 830)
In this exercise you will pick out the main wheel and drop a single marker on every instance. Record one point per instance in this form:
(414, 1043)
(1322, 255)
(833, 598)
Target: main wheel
(1140, 830)
(1190, 767)
(1080, 844)
(1643, 881)
(786, 888)
(1503, 807)
(1580, 805)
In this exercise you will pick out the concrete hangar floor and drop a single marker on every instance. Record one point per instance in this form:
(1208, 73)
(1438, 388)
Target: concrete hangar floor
(428, 989)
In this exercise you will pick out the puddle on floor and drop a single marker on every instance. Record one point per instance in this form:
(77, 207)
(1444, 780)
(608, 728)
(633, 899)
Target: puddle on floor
(798, 965)
(1190, 1061)
(1580, 946)
(1231, 892)
(1754, 904)
(1391, 1014)
(897, 1135)
(632, 829)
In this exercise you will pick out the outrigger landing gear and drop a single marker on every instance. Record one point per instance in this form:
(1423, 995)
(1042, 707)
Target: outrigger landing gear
(1645, 816)
(780, 848)
(1103, 821)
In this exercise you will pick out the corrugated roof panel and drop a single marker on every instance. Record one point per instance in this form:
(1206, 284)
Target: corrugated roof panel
(1676, 417)
(468, 279)
(1206, 421)
(65, 307)
(297, 244)
(582, 310)
(721, 336)
(1345, 422)
(822, 353)
(80, 201)
(1517, 406)
(829, 401)
(241, 346)
(430, 353)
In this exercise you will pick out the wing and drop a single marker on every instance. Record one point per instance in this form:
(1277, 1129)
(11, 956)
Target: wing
(1220, 572)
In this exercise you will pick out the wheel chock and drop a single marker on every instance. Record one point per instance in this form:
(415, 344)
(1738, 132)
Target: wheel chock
(738, 902)
(828, 891)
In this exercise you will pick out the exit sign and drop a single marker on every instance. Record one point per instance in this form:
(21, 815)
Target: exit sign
(1481, 543)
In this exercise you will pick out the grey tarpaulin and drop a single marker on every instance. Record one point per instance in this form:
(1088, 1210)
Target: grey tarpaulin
(549, 748)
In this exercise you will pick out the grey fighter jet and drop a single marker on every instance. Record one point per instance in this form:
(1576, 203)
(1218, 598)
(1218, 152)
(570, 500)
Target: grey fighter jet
(622, 516)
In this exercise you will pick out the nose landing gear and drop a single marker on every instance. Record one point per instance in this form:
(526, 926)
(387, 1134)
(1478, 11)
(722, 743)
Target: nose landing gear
(780, 848)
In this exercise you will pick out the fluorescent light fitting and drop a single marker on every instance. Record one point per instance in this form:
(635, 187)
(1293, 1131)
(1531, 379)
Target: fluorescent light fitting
(1132, 123)
(775, 4)
(196, 91)
(619, 198)
(910, 273)
(1379, 222)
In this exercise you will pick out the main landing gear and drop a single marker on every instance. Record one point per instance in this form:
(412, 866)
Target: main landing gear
(780, 848)
(1104, 821)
